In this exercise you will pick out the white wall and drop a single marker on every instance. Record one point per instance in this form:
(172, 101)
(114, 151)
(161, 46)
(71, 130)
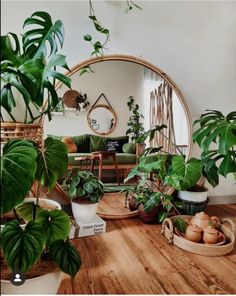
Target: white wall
(192, 41)
(116, 80)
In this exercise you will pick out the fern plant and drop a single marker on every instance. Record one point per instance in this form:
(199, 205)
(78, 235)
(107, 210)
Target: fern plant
(28, 65)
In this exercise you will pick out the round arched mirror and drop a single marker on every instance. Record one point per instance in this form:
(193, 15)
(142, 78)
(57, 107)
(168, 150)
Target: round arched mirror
(102, 119)
(119, 77)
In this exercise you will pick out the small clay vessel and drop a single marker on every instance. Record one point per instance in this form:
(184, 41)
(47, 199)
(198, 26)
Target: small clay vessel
(210, 235)
(193, 233)
(202, 220)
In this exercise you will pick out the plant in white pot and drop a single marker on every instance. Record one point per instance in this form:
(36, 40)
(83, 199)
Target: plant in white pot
(216, 136)
(40, 250)
(85, 191)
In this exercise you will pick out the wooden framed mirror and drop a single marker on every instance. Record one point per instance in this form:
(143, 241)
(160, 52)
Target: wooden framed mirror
(119, 76)
(102, 119)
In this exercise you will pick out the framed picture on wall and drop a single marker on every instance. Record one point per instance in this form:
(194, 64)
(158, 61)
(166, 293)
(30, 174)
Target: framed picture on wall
(95, 127)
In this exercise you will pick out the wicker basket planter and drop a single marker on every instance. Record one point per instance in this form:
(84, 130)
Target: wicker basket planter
(201, 248)
(148, 217)
(12, 130)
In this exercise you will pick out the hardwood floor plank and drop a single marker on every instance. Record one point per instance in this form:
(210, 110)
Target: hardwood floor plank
(134, 258)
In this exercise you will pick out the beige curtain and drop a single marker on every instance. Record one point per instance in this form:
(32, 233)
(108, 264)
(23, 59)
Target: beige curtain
(161, 112)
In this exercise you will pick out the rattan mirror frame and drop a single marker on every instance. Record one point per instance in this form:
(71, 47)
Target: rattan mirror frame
(132, 59)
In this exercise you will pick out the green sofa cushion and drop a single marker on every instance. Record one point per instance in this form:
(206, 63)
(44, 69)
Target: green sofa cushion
(97, 143)
(122, 158)
(129, 148)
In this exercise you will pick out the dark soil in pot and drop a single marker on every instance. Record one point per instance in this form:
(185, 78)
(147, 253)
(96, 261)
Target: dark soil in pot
(148, 217)
(84, 201)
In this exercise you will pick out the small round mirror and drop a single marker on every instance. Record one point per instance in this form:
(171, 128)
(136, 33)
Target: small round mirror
(102, 119)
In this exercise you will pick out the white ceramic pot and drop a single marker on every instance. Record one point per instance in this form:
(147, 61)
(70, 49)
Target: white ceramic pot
(193, 196)
(45, 284)
(49, 202)
(42, 201)
(84, 213)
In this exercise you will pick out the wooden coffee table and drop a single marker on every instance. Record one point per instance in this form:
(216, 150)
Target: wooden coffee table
(102, 155)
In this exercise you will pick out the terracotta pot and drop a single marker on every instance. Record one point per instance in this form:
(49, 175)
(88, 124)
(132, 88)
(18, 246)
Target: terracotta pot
(45, 284)
(147, 217)
(212, 235)
(202, 220)
(194, 233)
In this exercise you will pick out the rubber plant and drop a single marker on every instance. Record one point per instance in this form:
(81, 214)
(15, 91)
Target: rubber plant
(28, 65)
(22, 162)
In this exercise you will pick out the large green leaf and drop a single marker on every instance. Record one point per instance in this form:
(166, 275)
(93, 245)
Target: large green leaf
(184, 174)
(22, 248)
(43, 40)
(52, 162)
(55, 224)
(18, 167)
(26, 209)
(66, 257)
(216, 128)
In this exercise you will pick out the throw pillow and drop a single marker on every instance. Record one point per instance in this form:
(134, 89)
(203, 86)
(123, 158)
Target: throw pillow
(71, 147)
(82, 142)
(129, 148)
(97, 143)
(113, 145)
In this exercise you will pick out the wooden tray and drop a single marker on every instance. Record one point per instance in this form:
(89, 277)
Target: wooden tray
(197, 248)
(112, 206)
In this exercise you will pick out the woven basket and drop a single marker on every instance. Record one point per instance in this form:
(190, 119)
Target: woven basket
(200, 248)
(12, 130)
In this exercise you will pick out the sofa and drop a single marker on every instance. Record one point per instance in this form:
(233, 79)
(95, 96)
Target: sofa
(127, 153)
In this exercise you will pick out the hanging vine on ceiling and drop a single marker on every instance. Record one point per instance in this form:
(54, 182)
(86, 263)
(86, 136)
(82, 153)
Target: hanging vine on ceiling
(98, 46)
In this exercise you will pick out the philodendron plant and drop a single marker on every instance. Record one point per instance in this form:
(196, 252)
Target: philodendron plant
(22, 163)
(28, 65)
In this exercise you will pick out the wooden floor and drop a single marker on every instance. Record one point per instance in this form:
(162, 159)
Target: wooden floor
(134, 258)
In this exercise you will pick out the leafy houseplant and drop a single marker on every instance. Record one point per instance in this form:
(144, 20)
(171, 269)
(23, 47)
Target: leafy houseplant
(135, 125)
(85, 191)
(149, 193)
(28, 65)
(216, 136)
(46, 232)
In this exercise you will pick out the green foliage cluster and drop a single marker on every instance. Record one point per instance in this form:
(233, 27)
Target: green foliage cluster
(147, 192)
(28, 65)
(23, 162)
(135, 124)
(84, 185)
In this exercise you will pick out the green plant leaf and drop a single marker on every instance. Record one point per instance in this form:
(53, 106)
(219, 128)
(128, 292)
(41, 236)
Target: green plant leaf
(87, 37)
(22, 248)
(162, 216)
(55, 224)
(51, 162)
(184, 174)
(44, 39)
(18, 167)
(25, 210)
(180, 224)
(228, 165)
(66, 257)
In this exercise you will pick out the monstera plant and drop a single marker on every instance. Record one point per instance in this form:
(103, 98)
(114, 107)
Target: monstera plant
(46, 232)
(28, 67)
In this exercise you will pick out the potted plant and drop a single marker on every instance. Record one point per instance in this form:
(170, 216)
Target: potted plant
(154, 203)
(216, 136)
(28, 72)
(85, 191)
(41, 249)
